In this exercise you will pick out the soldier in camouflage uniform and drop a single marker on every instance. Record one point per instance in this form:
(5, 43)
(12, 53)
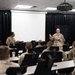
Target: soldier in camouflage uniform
(58, 38)
(72, 55)
(72, 52)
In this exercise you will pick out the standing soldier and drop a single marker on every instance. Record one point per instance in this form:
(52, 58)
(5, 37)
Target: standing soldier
(58, 39)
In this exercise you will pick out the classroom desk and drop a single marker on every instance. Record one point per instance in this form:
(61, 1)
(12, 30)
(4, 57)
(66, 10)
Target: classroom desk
(63, 65)
(59, 65)
(14, 59)
(30, 70)
(56, 66)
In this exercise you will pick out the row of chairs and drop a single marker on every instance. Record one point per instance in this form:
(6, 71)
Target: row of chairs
(34, 56)
(37, 50)
(43, 68)
(17, 52)
(21, 44)
(56, 55)
(32, 59)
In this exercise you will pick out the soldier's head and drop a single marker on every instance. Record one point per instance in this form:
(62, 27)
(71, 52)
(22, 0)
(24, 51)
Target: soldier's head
(73, 44)
(12, 34)
(58, 30)
(28, 46)
(39, 42)
(4, 52)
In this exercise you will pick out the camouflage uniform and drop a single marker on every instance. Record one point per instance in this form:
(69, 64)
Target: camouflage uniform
(72, 57)
(6, 64)
(59, 42)
(72, 54)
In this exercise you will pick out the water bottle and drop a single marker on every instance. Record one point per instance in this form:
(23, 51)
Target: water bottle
(13, 54)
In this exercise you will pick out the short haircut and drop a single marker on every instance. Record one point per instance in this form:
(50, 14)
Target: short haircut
(73, 43)
(4, 52)
(40, 41)
(11, 33)
(28, 45)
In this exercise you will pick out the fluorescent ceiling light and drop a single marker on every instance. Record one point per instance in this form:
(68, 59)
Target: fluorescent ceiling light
(73, 10)
(23, 6)
(51, 8)
(19, 11)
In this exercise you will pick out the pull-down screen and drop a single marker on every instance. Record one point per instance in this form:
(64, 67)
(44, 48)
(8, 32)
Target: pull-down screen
(28, 26)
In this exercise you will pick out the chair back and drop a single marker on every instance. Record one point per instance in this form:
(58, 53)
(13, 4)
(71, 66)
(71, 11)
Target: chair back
(56, 55)
(16, 70)
(66, 47)
(39, 50)
(30, 59)
(44, 67)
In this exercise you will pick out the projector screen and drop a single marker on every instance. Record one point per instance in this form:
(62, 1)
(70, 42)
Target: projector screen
(28, 26)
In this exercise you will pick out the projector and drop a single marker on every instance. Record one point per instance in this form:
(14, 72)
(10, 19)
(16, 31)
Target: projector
(64, 6)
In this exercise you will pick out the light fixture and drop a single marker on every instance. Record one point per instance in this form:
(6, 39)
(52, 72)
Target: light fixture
(51, 8)
(64, 6)
(73, 10)
(23, 6)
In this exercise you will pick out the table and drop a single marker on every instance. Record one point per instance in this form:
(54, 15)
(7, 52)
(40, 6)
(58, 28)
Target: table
(14, 59)
(63, 65)
(59, 65)
(56, 66)
(30, 70)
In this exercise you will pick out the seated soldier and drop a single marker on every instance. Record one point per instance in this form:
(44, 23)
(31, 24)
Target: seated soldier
(49, 44)
(4, 60)
(72, 52)
(39, 43)
(28, 46)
